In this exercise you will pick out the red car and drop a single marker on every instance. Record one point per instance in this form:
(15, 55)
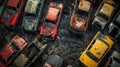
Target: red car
(5, 53)
(52, 19)
(19, 42)
(81, 16)
(12, 12)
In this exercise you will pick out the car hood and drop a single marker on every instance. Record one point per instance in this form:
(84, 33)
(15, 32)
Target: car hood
(48, 31)
(30, 23)
(9, 17)
(79, 23)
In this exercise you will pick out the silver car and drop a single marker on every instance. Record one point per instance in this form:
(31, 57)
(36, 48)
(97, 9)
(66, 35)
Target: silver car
(113, 60)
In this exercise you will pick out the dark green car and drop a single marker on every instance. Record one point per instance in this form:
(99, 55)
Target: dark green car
(2, 5)
(32, 14)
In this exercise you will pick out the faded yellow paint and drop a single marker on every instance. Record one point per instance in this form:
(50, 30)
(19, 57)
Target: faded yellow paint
(107, 9)
(84, 5)
(98, 49)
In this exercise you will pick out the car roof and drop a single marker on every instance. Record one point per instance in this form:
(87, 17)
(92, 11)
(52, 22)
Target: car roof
(99, 48)
(84, 5)
(107, 9)
(52, 14)
(13, 3)
(31, 6)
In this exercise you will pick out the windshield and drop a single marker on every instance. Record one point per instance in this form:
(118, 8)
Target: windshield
(81, 12)
(103, 16)
(30, 15)
(12, 8)
(92, 56)
(50, 23)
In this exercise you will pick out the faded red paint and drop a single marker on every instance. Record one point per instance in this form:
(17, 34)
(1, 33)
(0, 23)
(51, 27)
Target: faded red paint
(54, 14)
(13, 3)
(12, 19)
(6, 52)
(20, 42)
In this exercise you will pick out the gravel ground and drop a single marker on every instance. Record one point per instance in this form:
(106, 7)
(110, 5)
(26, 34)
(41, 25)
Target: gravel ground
(68, 45)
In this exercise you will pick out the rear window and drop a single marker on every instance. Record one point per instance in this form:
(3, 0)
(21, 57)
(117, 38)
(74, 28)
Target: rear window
(105, 17)
(92, 56)
(81, 12)
(30, 14)
(12, 8)
(50, 23)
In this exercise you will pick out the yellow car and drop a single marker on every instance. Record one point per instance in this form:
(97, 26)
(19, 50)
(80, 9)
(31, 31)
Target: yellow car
(96, 50)
(104, 13)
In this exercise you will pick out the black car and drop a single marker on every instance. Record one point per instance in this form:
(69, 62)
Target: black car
(30, 54)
